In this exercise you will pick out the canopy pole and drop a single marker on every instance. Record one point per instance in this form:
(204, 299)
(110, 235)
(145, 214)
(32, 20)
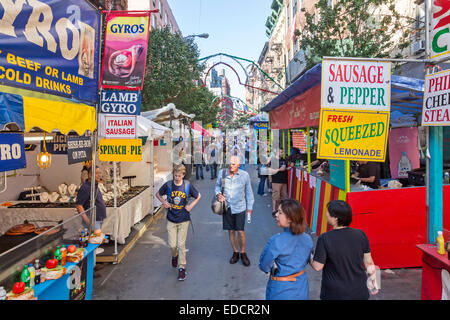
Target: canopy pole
(116, 223)
(289, 141)
(309, 149)
(347, 175)
(284, 144)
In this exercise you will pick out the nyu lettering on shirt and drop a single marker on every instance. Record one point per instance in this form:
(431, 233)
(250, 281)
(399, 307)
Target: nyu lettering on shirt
(178, 200)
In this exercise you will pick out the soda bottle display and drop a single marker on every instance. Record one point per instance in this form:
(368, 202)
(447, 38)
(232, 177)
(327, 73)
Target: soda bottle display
(63, 255)
(58, 255)
(25, 276)
(37, 272)
(81, 239)
(32, 274)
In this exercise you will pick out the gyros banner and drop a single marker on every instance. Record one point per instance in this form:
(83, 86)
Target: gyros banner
(353, 135)
(436, 100)
(360, 85)
(50, 46)
(125, 54)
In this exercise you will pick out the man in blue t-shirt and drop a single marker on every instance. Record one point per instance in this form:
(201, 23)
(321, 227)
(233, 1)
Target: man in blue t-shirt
(178, 192)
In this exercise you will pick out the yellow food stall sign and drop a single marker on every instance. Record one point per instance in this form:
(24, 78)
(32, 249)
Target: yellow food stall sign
(353, 135)
(128, 150)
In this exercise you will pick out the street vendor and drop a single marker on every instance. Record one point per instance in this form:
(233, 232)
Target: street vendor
(368, 173)
(83, 201)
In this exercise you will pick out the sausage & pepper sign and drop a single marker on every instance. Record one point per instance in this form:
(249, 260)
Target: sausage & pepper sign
(362, 85)
(353, 135)
(436, 101)
(129, 150)
(50, 46)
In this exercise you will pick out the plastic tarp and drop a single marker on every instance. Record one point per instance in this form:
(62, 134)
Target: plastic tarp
(145, 126)
(262, 117)
(163, 114)
(406, 92)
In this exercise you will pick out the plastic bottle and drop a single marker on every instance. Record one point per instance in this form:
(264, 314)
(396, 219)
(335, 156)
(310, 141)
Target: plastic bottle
(81, 239)
(32, 274)
(58, 255)
(37, 272)
(404, 165)
(25, 276)
(440, 243)
(2, 293)
(63, 255)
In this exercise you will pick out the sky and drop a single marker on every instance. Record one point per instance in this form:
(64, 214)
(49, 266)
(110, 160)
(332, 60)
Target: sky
(235, 27)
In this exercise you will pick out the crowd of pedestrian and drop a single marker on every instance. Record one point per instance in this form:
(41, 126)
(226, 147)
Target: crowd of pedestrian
(342, 254)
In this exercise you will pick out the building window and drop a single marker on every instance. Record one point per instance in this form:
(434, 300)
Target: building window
(294, 8)
(288, 14)
(296, 45)
(153, 21)
(166, 18)
(160, 9)
(154, 3)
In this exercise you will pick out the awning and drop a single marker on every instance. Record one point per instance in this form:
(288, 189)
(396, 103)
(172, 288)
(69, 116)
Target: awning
(165, 114)
(197, 127)
(301, 100)
(144, 126)
(29, 109)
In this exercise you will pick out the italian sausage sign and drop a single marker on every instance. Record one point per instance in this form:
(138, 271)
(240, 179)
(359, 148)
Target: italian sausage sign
(352, 84)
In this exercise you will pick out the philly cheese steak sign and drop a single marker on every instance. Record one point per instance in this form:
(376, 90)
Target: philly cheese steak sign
(440, 30)
(355, 107)
(436, 102)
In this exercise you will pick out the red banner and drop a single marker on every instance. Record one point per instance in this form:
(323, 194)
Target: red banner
(125, 53)
(299, 140)
(300, 112)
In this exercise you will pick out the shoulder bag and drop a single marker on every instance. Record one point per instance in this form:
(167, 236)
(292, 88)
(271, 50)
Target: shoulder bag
(218, 207)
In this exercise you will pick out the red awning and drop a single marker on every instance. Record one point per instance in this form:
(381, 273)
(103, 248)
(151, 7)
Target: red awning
(300, 112)
(197, 127)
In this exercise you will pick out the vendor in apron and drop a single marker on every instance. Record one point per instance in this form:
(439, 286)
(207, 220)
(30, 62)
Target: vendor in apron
(286, 255)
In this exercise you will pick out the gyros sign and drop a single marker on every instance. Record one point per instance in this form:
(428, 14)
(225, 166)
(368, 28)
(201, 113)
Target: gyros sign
(121, 102)
(50, 46)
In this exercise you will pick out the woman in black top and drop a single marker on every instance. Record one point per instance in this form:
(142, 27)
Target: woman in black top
(341, 254)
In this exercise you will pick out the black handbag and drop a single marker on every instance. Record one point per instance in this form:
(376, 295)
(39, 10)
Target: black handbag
(218, 207)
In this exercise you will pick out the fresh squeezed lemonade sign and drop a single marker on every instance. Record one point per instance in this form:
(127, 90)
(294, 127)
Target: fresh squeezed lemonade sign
(353, 135)
(361, 85)
(436, 102)
(355, 106)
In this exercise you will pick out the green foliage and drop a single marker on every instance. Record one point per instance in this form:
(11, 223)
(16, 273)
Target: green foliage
(172, 74)
(354, 28)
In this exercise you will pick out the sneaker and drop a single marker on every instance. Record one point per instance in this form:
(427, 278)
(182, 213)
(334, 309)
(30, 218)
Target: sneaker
(181, 274)
(270, 190)
(99, 250)
(245, 260)
(175, 261)
(265, 195)
(234, 258)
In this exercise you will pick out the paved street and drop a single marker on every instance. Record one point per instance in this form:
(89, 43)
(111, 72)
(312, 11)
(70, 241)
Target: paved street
(146, 271)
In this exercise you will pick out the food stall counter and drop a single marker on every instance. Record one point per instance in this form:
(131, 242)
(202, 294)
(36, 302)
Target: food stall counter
(59, 289)
(435, 273)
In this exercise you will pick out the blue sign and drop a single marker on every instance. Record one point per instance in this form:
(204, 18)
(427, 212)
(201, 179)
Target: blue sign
(51, 46)
(121, 102)
(337, 173)
(56, 146)
(12, 152)
(261, 125)
(11, 110)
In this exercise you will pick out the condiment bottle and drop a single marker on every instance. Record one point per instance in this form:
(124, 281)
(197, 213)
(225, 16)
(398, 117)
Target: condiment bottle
(25, 276)
(58, 255)
(2, 293)
(440, 243)
(63, 255)
(37, 272)
(32, 274)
